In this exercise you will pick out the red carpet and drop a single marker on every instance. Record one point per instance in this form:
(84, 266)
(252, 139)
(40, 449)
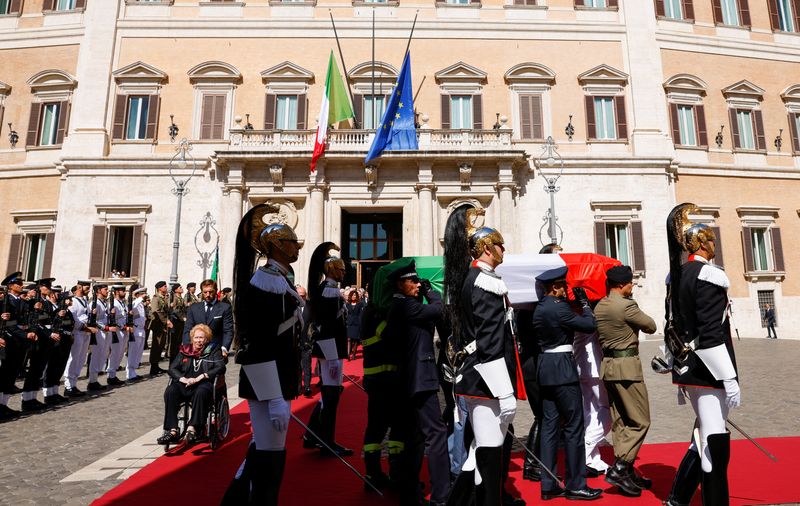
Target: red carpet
(200, 477)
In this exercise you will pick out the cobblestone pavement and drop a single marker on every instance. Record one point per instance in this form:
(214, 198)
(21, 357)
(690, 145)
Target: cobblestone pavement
(38, 451)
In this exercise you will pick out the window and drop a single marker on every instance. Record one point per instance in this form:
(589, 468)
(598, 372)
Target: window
(4, 6)
(766, 297)
(617, 242)
(49, 124)
(530, 116)
(672, 9)
(606, 125)
(686, 124)
(747, 129)
(212, 117)
(598, 4)
(460, 111)
(137, 117)
(458, 2)
(730, 12)
(618, 232)
(794, 127)
(785, 15)
(374, 105)
(286, 112)
(65, 5)
(525, 2)
(758, 236)
(121, 244)
(744, 123)
(34, 256)
(763, 247)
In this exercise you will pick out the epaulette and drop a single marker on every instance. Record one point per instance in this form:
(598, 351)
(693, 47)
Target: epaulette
(714, 275)
(490, 282)
(270, 280)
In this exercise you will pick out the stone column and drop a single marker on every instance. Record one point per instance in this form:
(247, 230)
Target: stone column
(505, 188)
(90, 103)
(425, 189)
(315, 214)
(232, 206)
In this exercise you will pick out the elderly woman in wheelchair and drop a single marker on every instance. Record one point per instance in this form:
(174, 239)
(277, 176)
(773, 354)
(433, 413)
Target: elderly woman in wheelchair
(192, 375)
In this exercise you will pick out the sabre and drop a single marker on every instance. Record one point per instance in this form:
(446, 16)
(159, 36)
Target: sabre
(743, 433)
(534, 457)
(323, 443)
(356, 383)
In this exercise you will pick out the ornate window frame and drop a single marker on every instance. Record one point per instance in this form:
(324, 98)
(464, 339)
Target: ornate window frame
(218, 78)
(530, 78)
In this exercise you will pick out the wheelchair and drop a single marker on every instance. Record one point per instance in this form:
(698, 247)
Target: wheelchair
(218, 420)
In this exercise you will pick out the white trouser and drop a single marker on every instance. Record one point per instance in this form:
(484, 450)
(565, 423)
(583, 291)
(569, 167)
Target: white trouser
(330, 371)
(489, 431)
(77, 358)
(135, 350)
(265, 436)
(99, 354)
(712, 413)
(596, 420)
(117, 352)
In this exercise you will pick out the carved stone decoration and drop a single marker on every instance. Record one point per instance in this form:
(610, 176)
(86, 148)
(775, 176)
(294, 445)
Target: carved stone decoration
(465, 174)
(371, 174)
(287, 214)
(276, 171)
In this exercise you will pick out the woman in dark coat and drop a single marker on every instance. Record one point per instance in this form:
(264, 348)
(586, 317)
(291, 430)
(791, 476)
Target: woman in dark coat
(193, 372)
(354, 310)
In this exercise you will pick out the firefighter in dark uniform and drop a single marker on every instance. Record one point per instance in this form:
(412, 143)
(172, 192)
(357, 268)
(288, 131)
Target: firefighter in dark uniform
(703, 361)
(17, 339)
(63, 322)
(43, 314)
(329, 337)
(268, 350)
(410, 326)
(555, 324)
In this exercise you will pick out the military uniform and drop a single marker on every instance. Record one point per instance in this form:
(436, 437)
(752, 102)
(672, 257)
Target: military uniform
(42, 320)
(178, 322)
(103, 338)
(119, 339)
(160, 312)
(136, 342)
(79, 350)
(15, 334)
(60, 351)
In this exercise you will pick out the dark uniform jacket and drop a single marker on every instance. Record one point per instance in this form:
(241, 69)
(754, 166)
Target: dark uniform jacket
(14, 331)
(410, 324)
(272, 334)
(555, 324)
(484, 321)
(380, 360)
(704, 304)
(329, 317)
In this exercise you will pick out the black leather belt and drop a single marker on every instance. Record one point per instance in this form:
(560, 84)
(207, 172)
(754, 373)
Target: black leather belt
(627, 352)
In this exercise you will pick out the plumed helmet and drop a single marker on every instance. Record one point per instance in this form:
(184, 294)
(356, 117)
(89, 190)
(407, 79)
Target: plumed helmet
(322, 263)
(697, 234)
(688, 235)
(480, 237)
(264, 235)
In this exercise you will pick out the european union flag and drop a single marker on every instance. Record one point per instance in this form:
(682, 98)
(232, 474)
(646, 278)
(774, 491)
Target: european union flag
(396, 130)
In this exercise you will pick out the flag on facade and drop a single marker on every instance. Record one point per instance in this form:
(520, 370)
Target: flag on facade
(335, 107)
(215, 266)
(396, 130)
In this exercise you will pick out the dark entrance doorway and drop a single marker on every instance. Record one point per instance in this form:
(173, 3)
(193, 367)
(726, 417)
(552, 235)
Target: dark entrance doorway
(369, 241)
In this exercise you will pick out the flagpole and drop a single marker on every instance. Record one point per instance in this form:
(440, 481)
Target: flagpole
(408, 46)
(372, 106)
(341, 56)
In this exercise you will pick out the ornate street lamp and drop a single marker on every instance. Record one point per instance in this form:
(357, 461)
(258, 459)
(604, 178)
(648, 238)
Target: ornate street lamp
(551, 161)
(180, 160)
(13, 137)
(206, 235)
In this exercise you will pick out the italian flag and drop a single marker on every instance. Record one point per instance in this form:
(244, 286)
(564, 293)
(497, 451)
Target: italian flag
(335, 107)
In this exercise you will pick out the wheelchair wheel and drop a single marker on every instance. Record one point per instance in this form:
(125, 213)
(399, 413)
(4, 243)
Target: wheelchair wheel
(223, 419)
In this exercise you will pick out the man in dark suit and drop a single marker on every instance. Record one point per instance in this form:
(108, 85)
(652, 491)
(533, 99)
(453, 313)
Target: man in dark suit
(216, 314)
(769, 316)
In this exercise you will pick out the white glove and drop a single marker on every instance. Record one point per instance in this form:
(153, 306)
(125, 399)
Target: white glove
(733, 394)
(279, 410)
(508, 408)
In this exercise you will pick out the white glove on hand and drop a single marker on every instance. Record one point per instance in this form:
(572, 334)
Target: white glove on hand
(733, 394)
(508, 408)
(279, 410)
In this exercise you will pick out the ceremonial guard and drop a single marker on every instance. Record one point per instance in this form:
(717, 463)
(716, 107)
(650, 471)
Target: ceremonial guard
(619, 321)
(329, 338)
(555, 324)
(485, 352)
(410, 326)
(60, 351)
(118, 316)
(160, 326)
(698, 339)
(42, 313)
(80, 339)
(269, 352)
(18, 338)
(103, 336)
(136, 341)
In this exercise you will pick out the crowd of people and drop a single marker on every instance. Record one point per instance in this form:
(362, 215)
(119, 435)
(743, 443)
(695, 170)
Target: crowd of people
(50, 334)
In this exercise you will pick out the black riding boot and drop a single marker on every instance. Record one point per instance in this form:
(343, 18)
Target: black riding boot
(715, 483)
(531, 470)
(687, 479)
(489, 463)
(309, 441)
(507, 498)
(238, 491)
(327, 421)
(266, 483)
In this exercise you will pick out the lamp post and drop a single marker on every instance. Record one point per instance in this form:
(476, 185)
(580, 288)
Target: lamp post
(179, 161)
(550, 159)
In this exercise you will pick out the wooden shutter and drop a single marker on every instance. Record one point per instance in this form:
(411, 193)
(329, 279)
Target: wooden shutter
(14, 253)
(747, 245)
(218, 124)
(153, 110)
(80, 4)
(270, 106)
(675, 123)
(591, 125)
(33, 125)
(613, 3)
(622, 121)
(796, 8)
(580, 3)
(777, 250)
(47, 263)
(688, 10)
(744, 13)
(446, 112)
(530, 117)
(301, 111)
(15, 7)
(717, 8)
(97, 256)
(49, 5)
(600, 237)
(660, 11)
(737, 142)
(795, 133)
(120, 107)
(358, 109)
(774, 19)
(761, 140)
(477, 112)
(207, 117)
(718, 247)
(702, 131)
(137, 248)
(637, 240)
(63, 121)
